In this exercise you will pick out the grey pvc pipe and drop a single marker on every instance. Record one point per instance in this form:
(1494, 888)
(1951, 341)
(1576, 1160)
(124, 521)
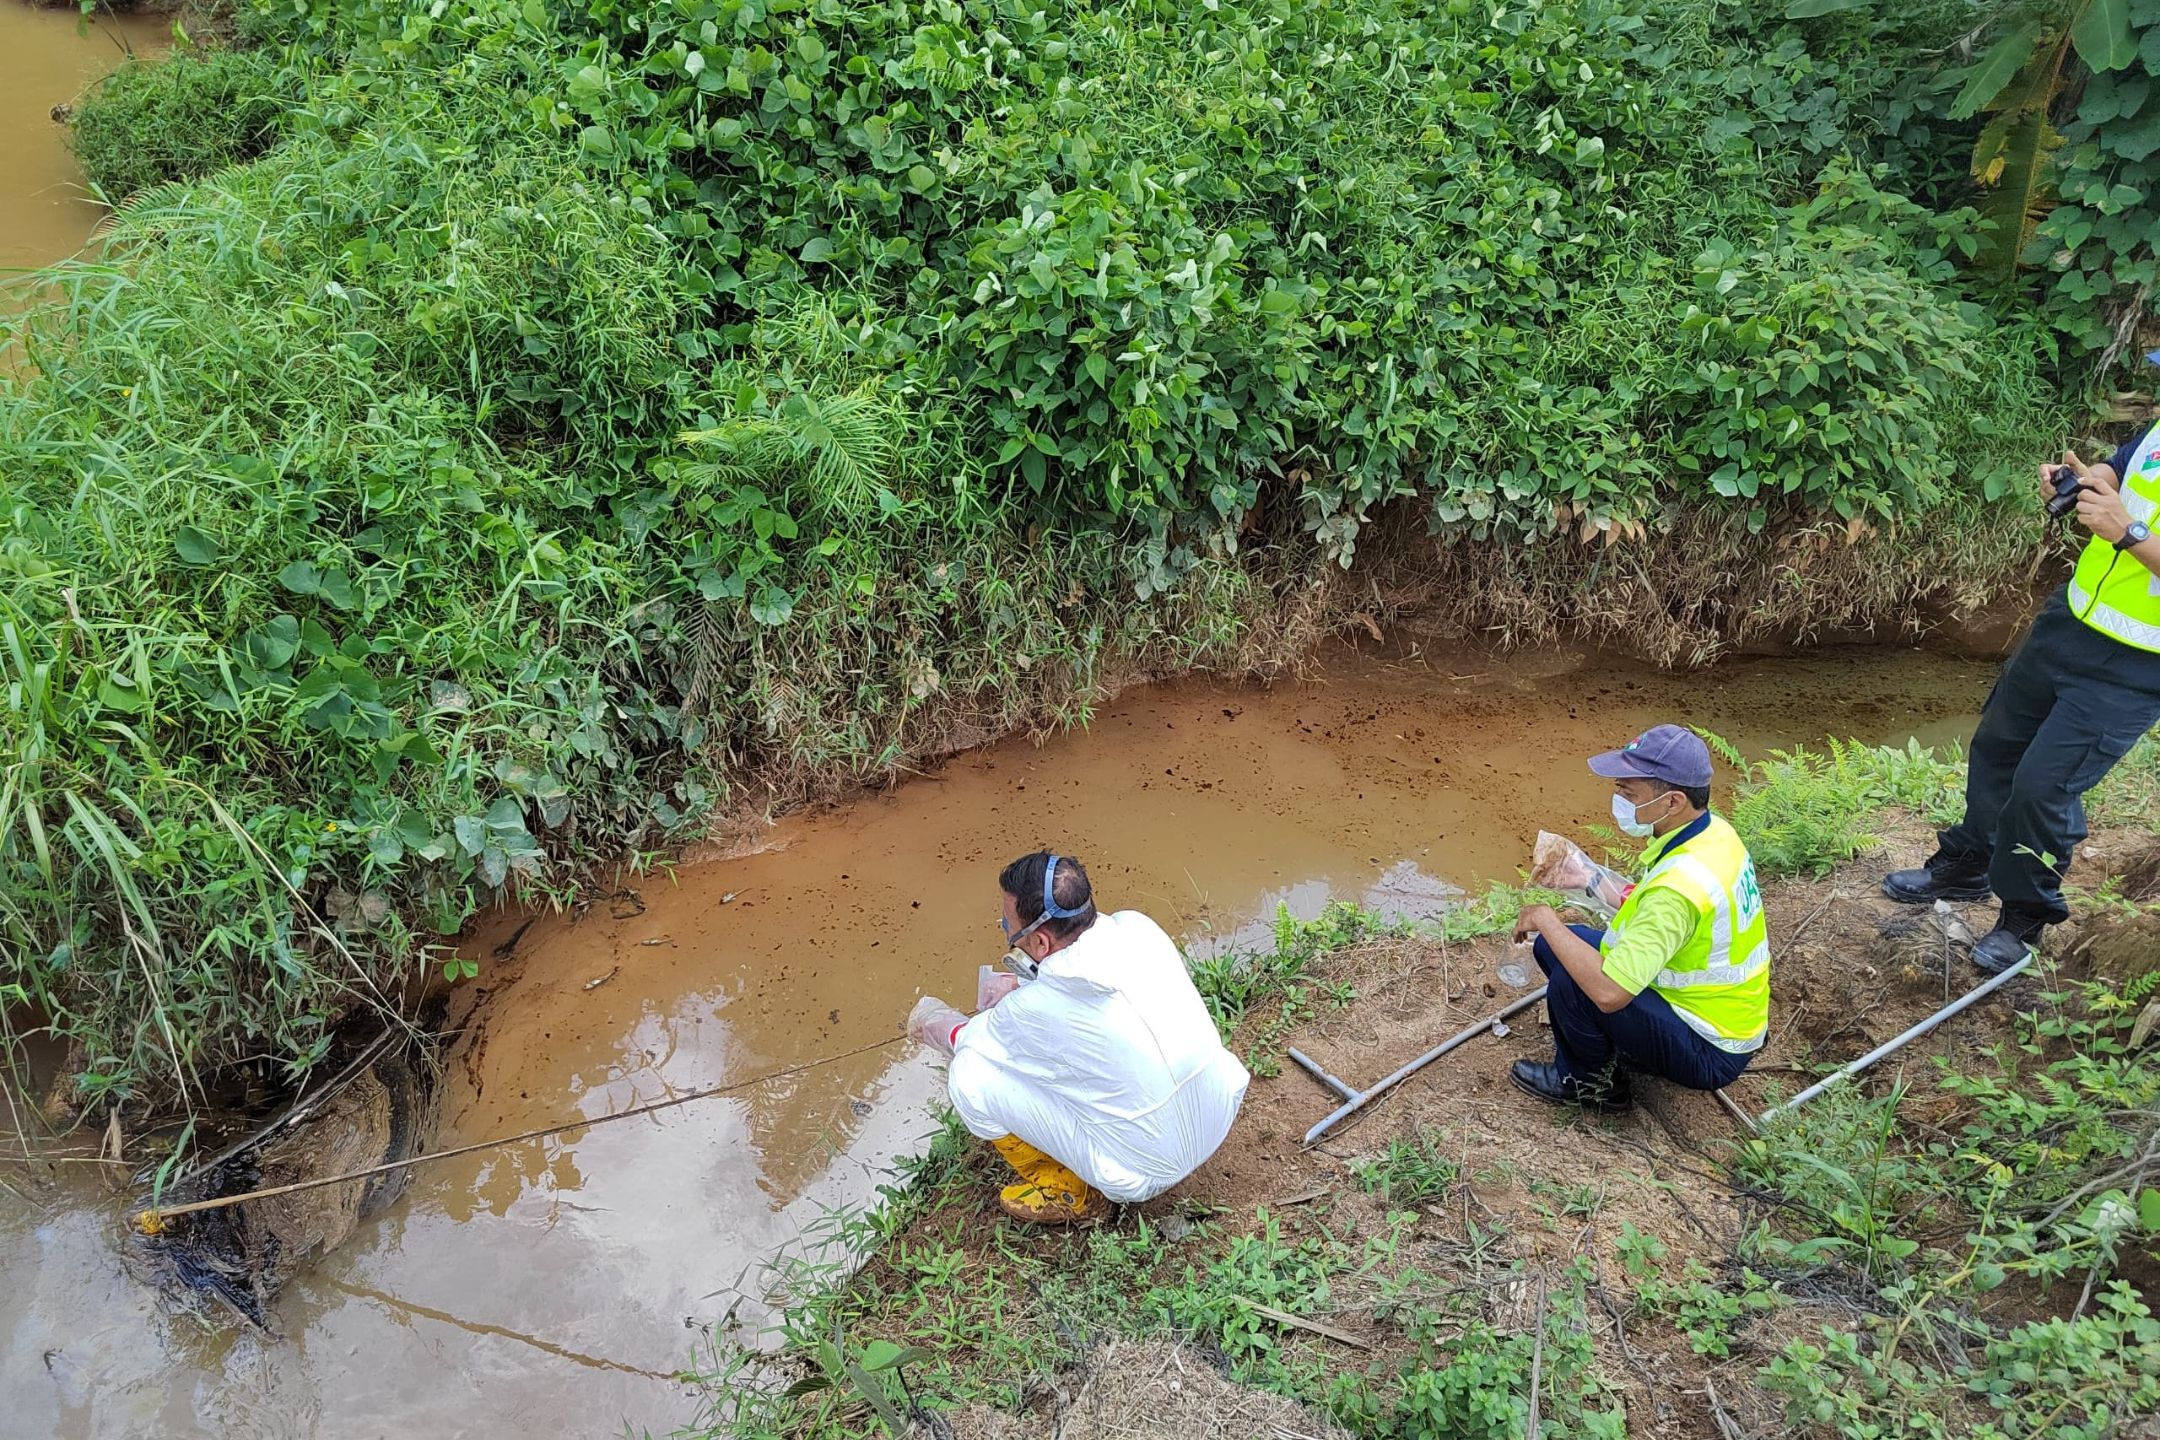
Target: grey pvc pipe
(1366, 1097)
(1888, 1047)
(1343, 1090)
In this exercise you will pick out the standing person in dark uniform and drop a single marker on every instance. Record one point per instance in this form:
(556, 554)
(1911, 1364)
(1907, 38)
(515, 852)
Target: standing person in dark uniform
(2079, 692)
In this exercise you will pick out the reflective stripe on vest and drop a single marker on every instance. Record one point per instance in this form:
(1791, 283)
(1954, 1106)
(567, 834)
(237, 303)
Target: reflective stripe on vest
(1719, 982)
(2124, 603)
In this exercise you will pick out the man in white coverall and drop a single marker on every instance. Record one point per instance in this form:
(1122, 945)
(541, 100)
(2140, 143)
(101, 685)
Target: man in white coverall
(1101, 1078)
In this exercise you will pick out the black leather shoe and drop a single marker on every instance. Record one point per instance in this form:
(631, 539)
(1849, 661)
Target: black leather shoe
(2009, 942)
(1543, 1078)
(1939, 879)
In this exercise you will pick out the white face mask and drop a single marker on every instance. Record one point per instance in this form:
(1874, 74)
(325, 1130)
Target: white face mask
(1623, 814)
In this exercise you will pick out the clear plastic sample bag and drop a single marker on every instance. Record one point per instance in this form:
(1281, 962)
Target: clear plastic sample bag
(1558, 863)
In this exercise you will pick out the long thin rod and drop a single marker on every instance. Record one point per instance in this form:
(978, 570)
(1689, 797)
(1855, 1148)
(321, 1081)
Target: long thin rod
(150, 1220)
(1888, 1047)
(1366, 1097)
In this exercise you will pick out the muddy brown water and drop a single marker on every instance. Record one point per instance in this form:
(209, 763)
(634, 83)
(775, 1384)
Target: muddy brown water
(47, 56)
(554, 1287)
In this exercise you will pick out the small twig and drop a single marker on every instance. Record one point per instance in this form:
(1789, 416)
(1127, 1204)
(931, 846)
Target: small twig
(1299, 1322)
(1619, 1329)
(1537, 1361)
(1728, 1427)
(1747, 1121)
(1810, 918)
(2097, 1183)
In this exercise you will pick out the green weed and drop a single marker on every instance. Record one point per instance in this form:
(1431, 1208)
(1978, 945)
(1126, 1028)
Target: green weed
(1279, 983)
(1408, 1172)
(1803, 812)
(2045, 1180)
(179, 118)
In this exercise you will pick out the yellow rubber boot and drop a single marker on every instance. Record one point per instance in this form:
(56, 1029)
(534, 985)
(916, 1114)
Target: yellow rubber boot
(1048, 1193)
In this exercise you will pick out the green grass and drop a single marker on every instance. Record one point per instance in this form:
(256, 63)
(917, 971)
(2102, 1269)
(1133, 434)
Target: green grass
(2130, 795)
(990, 1306)
(180, 118)
(1408, 1172)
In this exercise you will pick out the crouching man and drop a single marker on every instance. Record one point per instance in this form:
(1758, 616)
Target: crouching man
(1679, 986)
(1101, 1078)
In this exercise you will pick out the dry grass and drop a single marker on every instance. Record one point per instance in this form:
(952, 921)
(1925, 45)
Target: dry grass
(1144, 1390)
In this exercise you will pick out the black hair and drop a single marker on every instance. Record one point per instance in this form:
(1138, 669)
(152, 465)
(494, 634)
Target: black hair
(1697, 796)
(1023, 880)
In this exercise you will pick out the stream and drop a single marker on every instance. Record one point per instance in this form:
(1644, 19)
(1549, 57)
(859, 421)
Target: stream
(554, 1287)
(47, 56)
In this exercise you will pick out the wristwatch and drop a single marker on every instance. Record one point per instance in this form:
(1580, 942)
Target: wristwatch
(2136, 535)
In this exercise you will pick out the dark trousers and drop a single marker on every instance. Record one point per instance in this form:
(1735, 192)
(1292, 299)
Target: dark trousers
(1644, 1035)
(2070, 703)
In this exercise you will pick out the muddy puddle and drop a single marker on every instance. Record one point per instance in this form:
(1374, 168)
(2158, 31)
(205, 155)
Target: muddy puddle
(553, 1287)
(47, 56)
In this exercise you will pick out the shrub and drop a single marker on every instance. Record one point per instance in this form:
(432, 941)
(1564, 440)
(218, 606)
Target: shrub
(179, 118)
(296, 585)
(1804, 812)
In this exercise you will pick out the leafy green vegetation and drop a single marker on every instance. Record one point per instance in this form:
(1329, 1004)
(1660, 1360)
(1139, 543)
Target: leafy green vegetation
(180, 118)
(583, 419)
(2067, 157)
(1804, 812)
(2044, 1189)
(985, 1307)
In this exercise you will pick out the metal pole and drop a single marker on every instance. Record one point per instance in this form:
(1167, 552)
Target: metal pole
(1367, 1097)
(1963, 1002)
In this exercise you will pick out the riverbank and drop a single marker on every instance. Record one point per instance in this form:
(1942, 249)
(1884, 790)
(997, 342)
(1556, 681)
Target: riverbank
(1954, 1245)
(498, 442)
(560, 1275)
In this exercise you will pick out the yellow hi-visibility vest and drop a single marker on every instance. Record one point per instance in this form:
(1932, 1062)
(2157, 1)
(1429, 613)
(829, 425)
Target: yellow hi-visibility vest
(2123, 603)
(1719, 983)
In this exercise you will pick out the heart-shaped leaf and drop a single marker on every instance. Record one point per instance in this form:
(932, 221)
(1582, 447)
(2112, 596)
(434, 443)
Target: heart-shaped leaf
(772, 606)
(195, 547)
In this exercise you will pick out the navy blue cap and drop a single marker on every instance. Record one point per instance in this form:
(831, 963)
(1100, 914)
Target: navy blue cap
(1671, 753)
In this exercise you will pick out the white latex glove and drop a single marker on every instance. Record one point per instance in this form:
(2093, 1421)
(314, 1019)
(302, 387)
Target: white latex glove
(934, 1023)
(993, 985)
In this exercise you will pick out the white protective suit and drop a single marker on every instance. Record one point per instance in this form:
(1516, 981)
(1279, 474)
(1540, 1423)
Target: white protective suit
(1107, 1062)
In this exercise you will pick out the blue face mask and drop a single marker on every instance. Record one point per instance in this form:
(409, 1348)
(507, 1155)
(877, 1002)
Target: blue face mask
(1624, 815)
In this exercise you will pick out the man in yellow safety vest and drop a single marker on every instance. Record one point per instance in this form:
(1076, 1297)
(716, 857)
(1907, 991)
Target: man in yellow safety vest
(2071, 702)
(1679, 985)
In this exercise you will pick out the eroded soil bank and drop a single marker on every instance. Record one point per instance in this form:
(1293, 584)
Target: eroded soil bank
(554, 1287)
